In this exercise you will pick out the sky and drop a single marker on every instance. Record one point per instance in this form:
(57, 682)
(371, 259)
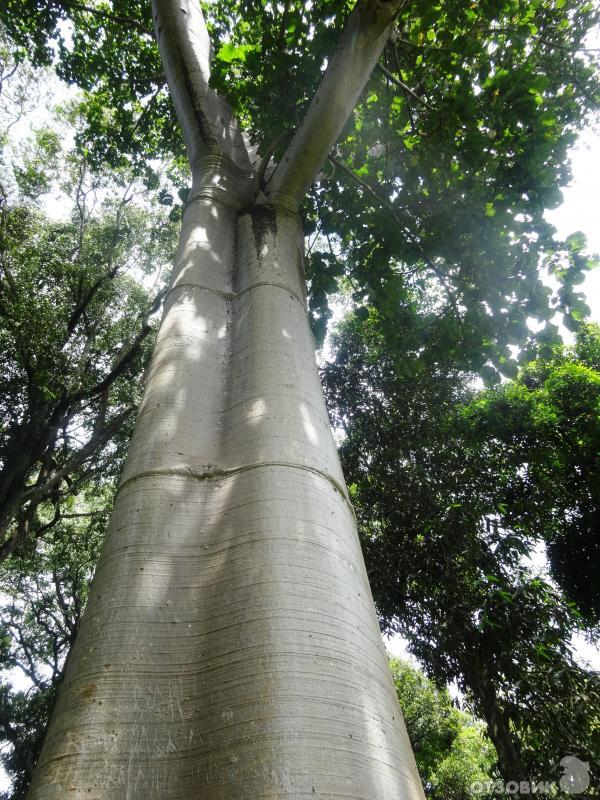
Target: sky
(581, 208)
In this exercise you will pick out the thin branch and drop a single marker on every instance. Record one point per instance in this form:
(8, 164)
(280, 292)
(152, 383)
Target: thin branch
(97, 12)
(148, 106)
(320, 215)
(283, 22)
(5, 76)
(111, 273)
(80, 196)
(79, 458)
(391, 77)
(443, 278)
(30, 669)
(83, 515)
(159, 78)
(395, 38)
(566, 48)
(380, 197)
(62, 603)
(80, 309)
(264, 162)
(55, 519)
(406, 95)
(507, 30)
(125, 357)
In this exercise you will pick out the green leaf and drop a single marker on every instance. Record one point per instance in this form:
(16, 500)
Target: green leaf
(229, 52)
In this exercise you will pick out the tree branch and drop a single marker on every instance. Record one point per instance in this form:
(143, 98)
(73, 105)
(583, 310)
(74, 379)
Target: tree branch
(406, 95)
(80, 456)
(125, 357)
(391, 77)
(364, 37)
(379, 196)
(112, 270)
(264, 162)
(212, 138)
(98, 12)
(81, 308)
(383, 200)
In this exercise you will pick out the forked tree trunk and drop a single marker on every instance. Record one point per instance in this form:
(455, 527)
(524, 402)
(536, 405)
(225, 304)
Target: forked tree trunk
(230, 647)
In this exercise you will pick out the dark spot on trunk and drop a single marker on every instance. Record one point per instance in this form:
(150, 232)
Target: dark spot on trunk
(264, 220)
(206, 133)
(88, 691)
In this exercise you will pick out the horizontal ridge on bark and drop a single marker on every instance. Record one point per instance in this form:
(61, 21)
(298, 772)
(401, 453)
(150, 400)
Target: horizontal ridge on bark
(232, 294)
(215, 472)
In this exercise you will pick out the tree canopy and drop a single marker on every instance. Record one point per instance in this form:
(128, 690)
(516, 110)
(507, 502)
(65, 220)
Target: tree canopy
(437, 185)
(450, 747)
(455, 492)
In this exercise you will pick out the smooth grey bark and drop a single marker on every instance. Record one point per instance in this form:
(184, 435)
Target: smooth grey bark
(230, 647)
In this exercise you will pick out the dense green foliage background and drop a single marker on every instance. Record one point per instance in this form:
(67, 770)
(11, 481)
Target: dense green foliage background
(456, 491)
(450, 746)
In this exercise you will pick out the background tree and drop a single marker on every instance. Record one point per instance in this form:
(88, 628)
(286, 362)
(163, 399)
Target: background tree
(544, 429)
(449, 513)
(451, 751)
(74, 328)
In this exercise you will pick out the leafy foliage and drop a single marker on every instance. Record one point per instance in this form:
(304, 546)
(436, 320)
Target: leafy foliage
(449, 516)
(450, 749)
(545, 429)
(75, 330)
(440, 179)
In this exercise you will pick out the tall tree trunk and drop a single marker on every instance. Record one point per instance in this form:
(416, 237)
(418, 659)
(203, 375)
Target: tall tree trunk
(230, 647)
(510, 763)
